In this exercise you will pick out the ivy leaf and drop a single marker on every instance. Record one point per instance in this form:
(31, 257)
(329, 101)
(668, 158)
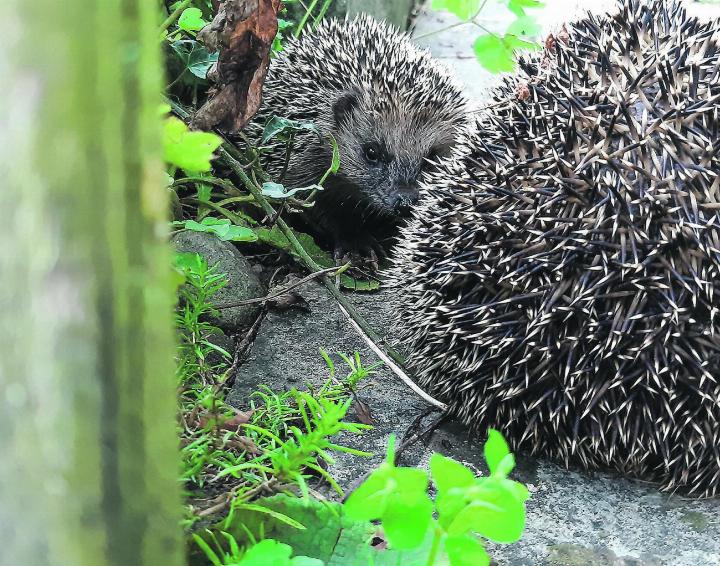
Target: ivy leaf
(494, 54)
(463, 9)
(278, 191)
(466, 550)
(191, 20)
(195, 57)
(495, 450)
(278, 125)
(524, 25)
(223, 229)
(190, 151)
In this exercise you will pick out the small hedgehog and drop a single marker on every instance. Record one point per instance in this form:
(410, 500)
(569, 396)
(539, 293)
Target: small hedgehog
(392, 109)
(561, 282)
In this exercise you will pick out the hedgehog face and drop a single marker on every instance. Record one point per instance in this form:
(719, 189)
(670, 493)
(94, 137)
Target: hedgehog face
(384, 152)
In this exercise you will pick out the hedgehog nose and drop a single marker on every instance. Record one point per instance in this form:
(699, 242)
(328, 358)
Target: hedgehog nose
(404, 200)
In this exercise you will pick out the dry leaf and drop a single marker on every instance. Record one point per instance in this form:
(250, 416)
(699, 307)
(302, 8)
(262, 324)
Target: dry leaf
(235, 422)
(243, 32)
(362, 411)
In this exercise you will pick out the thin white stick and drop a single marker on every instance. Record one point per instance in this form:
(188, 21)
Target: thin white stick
(391, 364)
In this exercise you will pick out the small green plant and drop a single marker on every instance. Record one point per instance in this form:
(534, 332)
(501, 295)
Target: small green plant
(264, 553)
(496, 52)
(418, 530)
(492, 507)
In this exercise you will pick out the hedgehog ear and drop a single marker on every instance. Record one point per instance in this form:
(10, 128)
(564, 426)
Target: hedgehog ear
(344, 106)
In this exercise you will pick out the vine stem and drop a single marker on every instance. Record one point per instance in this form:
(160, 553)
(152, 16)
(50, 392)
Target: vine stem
(172, 18)
(435, 548)
(456, 25)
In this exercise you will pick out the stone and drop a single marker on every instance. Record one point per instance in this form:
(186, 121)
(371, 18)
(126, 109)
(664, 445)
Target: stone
(286, 355)
(243, 283)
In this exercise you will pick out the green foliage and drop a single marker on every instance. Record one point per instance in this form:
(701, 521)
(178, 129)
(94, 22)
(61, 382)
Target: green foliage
(463, 9)
(191, 20)
(221, 227)
(261, 554)
(275, 238)
(190, 151)
(466, 508)
(496, 52)
(492, 507)
(195, 60)
(284, 129)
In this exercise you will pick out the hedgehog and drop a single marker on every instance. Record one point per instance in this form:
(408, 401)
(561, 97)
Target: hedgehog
(561, 281)
(393, 110)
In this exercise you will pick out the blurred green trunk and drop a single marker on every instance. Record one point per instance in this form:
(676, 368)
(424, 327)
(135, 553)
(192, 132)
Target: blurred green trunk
(88, 446)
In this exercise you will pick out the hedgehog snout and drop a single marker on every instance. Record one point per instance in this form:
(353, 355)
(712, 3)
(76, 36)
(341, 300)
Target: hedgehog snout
(404, 198)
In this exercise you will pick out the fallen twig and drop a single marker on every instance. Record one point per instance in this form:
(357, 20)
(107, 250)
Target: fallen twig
(282, 291)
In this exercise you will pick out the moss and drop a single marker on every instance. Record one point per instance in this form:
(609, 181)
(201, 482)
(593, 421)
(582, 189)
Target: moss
(698, 521)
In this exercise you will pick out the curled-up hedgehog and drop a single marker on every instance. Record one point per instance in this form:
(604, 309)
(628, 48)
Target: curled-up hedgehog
(561, 282)
(393, 110)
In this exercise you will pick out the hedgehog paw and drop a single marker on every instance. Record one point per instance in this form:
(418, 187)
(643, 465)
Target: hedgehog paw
(365, 256)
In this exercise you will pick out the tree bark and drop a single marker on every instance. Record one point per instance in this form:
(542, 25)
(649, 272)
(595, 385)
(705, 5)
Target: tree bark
(88, 444)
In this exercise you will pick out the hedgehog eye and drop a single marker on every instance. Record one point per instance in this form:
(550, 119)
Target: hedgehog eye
(372, 152)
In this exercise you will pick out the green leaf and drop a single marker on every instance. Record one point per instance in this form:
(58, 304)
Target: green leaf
(278, 125)
(191, 20)
(449, 504)
(335, 164)
(463, 9)
(518, 7)
(524, 25)
(274, 514)
(406, 522)
(494, 54)
(276, 553)
(223, 229)
(495, 450)
(329, 530)
(466, 550)
(278, 191)
(194, 57)
(207, 550)
(369, 501)
(496, 514)
(448, 473)
(190, 151)
(515, 43)
(188, 262)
